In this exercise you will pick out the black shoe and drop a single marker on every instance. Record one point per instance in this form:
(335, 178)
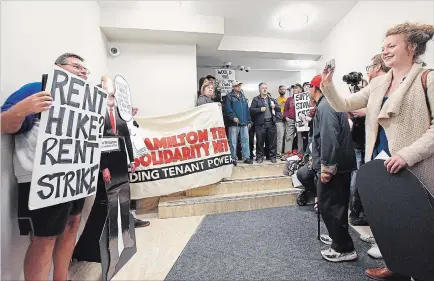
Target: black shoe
(234, 162)
(260, 160)
(273, 160)
(248, 161)
(139, 223)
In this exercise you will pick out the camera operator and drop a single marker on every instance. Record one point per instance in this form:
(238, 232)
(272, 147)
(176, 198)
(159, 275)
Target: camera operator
(357, 217)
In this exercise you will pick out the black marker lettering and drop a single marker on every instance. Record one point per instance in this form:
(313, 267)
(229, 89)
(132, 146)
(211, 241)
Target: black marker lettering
(73, 91)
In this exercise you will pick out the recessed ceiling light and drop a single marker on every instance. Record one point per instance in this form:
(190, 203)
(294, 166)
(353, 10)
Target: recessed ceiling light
(293, 21)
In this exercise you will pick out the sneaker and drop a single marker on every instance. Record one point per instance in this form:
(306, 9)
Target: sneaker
(325, 239)
(234, 162)
(259, 160)
(374, 252)
(368, 238)
(333, 256)
(273, 160)
(248, 161)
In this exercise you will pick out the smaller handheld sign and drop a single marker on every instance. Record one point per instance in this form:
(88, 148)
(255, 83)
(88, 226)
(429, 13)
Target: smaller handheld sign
(123, 98)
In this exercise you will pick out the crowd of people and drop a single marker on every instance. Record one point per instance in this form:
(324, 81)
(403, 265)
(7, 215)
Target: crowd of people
(391, 114)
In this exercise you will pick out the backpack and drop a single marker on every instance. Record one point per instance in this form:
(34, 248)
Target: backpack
(425, 89)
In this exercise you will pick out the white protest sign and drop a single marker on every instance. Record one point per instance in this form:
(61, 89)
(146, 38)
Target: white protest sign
(68, 151)
(109, 144)
(302, 109)
(225, 77)
(123, 98)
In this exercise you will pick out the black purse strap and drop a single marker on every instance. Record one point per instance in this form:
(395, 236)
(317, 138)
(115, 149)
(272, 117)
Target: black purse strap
(425, 89)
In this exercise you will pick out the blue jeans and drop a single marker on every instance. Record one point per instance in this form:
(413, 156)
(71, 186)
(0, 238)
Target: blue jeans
(354, 173)
(243, 131)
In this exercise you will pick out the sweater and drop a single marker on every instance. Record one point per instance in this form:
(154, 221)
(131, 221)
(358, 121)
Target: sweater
(289, 110)
(404, 117)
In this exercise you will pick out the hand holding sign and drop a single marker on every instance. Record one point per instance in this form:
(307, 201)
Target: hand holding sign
(106, 175)
(35, 103)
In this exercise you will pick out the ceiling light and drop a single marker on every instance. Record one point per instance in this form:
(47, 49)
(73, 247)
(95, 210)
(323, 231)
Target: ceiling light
(292, 22)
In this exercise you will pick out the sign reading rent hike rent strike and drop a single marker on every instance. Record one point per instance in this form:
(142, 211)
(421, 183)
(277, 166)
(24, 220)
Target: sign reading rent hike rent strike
(302, 109)
(183, 151)
(68, 149)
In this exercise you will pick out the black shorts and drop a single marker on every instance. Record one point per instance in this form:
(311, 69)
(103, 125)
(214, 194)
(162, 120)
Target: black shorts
(45, 222)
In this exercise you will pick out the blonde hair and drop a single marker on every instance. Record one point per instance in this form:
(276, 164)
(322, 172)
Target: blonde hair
(415, 34)
(205, 84)
(378, 60)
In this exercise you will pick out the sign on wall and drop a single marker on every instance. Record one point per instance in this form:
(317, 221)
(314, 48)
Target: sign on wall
(225, 78)
(185, 150)
(302, 109)
(67, 157)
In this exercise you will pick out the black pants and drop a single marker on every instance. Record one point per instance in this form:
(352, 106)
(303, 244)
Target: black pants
(251, 141)
(307, 178)
(266, 131)
(333, 200)
(356, 207)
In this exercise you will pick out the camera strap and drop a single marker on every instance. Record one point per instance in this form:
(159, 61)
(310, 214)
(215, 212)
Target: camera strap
(425, 89)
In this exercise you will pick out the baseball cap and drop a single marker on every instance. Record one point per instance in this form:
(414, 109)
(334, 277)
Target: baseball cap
(210, 77)
(316, 81)
(236, 82)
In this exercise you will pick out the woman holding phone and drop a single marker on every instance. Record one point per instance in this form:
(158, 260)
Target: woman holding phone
(399, 112)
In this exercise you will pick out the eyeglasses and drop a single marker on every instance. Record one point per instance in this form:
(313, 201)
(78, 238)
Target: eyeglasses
(369, 66)
(78, 67)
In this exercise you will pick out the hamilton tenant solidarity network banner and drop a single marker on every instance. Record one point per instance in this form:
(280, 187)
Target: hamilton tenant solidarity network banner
(181, 151)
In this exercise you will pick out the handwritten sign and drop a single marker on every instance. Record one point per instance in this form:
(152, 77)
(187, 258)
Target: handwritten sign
(123, 98)
(302, 109)
(68, 149)
(225, 78)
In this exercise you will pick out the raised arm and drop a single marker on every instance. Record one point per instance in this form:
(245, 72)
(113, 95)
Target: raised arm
(342, 103)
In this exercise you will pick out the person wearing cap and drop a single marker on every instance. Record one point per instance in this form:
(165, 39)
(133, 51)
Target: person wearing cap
(217, 95)
(263, 109)
(333, 161)
(239, 122)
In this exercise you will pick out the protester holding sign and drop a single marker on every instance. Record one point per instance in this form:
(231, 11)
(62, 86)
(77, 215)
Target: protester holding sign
(54, 228)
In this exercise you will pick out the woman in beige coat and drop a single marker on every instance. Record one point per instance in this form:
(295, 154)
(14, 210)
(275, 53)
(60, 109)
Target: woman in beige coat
(399, 116)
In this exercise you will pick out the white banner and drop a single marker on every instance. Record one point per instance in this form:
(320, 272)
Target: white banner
(225, 77)
(302, 109)
(184, 150)
(68, 151)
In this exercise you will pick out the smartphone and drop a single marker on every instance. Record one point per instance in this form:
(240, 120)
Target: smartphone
(330, 64)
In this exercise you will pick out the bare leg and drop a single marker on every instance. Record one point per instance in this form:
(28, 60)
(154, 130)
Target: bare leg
(37, 262)
(64, 248)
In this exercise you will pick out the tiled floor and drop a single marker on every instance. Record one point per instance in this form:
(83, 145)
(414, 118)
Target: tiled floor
(158, 247)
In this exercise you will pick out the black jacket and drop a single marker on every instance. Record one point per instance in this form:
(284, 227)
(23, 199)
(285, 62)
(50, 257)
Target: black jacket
(332, 145)
(255, 110)
(110, 160)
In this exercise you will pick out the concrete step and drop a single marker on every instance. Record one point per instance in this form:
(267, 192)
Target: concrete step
(243, 185)
(197, 206)
(265, 169)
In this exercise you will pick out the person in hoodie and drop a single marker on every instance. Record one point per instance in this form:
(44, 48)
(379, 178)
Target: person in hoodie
(238, 121)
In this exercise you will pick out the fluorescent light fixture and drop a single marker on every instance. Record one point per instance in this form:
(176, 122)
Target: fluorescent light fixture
(292, 22)
(295, 16)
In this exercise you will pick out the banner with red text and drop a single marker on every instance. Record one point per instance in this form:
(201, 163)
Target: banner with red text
(181, 151)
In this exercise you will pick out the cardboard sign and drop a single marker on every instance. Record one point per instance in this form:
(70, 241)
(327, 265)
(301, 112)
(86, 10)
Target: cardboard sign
(123, 98)
(225, 78)
(68, 149)
(184, 151)
(302, 109)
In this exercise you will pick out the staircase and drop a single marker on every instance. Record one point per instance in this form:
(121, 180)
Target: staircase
(250, 187)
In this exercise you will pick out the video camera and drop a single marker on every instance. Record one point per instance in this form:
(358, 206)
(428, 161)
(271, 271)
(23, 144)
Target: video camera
(353, 78)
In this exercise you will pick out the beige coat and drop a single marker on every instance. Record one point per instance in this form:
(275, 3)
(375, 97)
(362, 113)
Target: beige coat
(404, 117)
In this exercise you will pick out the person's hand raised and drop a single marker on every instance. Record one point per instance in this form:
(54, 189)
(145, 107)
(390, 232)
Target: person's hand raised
(327, 75)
